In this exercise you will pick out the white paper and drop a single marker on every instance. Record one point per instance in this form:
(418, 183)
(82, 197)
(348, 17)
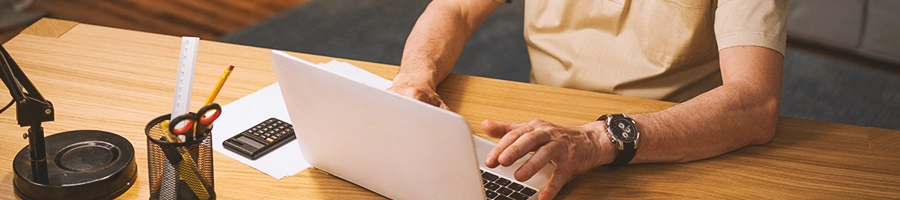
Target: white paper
(266, 103)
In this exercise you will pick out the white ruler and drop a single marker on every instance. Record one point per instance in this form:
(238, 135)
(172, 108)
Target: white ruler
(186, 63)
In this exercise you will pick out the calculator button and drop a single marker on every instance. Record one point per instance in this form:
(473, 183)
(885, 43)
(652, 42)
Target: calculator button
(270, 140)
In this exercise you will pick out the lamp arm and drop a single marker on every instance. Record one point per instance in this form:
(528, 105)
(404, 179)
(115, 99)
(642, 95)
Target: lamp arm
(31, 110)
(31, 107)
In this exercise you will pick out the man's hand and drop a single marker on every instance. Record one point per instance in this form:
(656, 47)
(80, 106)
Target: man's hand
(574, 150)
(423, 94)
(434, 44)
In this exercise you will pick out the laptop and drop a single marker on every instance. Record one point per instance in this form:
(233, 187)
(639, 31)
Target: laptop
(390, 144)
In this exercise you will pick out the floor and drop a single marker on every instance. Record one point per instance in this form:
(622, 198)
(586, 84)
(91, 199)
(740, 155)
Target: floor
(208, 19)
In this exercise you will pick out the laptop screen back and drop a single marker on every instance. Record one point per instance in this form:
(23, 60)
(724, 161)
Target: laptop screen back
(392, 145)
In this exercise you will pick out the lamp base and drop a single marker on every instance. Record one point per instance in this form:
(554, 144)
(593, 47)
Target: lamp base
(82, 164)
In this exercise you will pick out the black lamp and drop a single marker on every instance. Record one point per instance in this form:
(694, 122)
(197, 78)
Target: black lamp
(82, 164)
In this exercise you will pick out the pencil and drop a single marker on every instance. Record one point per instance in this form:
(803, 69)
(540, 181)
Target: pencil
(215, 92)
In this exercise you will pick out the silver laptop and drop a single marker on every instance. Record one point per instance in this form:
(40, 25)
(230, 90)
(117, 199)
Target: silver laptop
(392, 145)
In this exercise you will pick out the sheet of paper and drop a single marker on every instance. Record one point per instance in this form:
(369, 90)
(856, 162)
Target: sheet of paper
(266, 103)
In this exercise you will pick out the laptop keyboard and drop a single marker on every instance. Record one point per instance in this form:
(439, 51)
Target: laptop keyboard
(496, 187)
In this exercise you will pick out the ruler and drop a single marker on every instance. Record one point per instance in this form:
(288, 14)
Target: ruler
(185, 81)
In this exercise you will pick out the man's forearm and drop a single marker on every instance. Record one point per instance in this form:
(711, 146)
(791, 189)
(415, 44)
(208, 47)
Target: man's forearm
(707, 126)
(437, 40)
(743, 111)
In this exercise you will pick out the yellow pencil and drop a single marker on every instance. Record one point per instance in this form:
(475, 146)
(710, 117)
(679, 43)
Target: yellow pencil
(215, 92)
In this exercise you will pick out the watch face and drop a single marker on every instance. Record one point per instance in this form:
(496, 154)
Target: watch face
(623, 130)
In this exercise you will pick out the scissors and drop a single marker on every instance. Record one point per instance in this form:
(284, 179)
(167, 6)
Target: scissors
(195, 125)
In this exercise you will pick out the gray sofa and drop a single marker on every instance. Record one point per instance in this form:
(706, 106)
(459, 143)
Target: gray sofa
(868, 28)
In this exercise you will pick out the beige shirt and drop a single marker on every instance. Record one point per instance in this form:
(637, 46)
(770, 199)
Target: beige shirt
(656, 49)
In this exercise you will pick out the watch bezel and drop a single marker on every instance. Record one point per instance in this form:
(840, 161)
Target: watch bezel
(616, 137)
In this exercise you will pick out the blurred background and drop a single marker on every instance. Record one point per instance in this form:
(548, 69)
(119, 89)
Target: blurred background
(842, 63)
(207, 19)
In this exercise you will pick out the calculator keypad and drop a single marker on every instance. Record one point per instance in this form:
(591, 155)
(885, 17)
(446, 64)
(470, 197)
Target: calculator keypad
(260, 139)
(270, 131)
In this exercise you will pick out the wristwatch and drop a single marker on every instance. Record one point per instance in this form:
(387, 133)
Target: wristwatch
(624, 134)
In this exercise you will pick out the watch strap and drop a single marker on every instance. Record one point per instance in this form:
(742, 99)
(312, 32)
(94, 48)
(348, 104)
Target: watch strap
(624, 156)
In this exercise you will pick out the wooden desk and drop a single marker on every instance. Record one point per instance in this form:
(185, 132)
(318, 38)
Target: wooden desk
(117, 80)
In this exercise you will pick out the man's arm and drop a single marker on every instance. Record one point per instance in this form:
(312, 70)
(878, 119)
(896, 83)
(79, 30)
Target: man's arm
(435, 43)
(741, 112)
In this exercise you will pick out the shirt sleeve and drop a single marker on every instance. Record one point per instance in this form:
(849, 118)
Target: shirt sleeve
(751, 23)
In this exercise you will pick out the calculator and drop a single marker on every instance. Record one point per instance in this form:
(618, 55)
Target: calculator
(261, 139)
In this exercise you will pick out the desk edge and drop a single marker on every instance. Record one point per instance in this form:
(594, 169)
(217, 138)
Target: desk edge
(49, 27)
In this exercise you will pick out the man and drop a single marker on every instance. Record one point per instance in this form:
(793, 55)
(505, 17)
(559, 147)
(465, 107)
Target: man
(721, 59)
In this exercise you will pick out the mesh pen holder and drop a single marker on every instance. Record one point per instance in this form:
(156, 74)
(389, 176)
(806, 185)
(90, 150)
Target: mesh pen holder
(179, 170)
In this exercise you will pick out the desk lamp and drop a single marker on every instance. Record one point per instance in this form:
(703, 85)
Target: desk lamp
(81, 164)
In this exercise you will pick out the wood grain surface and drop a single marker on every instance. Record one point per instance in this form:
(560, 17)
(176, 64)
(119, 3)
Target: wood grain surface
(117, 80)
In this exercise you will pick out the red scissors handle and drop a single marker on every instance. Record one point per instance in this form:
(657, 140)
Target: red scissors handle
(182, 124)
(190, 124)
(209, 113)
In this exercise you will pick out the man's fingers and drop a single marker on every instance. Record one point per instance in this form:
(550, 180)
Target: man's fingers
(557, 180)
(498, 129)
(420, 94)
(435, 99)
(537, 162)
(525, 143)
(504, 142)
